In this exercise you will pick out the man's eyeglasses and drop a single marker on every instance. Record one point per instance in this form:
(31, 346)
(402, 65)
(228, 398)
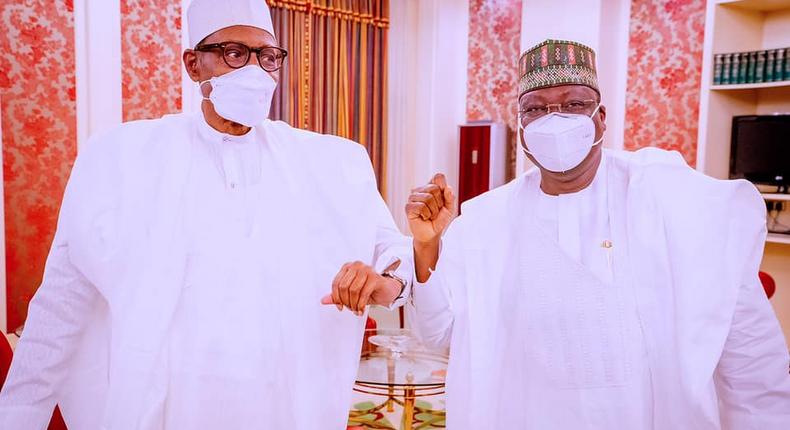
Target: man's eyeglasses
(236, 55)
(530, 113)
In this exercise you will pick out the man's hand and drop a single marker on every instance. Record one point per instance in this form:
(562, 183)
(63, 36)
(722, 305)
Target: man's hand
(358, 285)
(430, 210)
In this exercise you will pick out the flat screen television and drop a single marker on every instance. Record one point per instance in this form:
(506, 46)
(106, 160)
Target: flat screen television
(760, 149)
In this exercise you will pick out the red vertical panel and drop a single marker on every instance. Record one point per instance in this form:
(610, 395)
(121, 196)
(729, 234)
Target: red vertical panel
(664, 70)
(150, 58)
(37, 86)
(473, 169)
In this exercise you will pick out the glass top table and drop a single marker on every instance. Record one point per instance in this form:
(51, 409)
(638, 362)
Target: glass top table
(395, 365)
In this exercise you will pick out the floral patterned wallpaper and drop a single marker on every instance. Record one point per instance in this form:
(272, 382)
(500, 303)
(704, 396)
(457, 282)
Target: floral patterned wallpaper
(665, 63)
(151, 58)
(37, 90)
(492, 72)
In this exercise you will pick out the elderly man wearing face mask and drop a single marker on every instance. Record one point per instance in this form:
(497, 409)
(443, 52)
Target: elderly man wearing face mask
(603, 289)
(184, 285)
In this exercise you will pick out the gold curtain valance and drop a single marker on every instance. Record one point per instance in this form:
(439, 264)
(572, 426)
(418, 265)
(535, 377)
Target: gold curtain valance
(371, 12)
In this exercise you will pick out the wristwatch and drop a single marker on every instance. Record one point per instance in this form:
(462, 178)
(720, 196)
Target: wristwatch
(391, 274)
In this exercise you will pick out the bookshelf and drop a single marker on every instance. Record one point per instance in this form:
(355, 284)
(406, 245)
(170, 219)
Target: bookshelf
(750, 86)
(738, 26)
(758, 5)
(745, 26)
(778, 238)
(776, 197)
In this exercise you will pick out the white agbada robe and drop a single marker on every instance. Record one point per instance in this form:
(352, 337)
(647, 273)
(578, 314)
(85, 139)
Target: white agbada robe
(580, 349)
(668, 328)
(183, 287)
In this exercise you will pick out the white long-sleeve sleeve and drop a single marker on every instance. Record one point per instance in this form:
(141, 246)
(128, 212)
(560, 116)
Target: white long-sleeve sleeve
(752, 377)
(432, 301)
(392, 246)
(56, 318)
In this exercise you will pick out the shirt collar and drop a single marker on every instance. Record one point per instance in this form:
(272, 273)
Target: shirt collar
(210, 134)
(597, 183)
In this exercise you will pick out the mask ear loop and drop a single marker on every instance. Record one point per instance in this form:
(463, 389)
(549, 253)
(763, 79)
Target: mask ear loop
(598, 141)
(521, 140)
(200, 86)
(597, 108)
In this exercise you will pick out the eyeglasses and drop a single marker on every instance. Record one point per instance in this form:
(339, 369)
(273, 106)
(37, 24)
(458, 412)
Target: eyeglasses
(236, 55)
(530, 113)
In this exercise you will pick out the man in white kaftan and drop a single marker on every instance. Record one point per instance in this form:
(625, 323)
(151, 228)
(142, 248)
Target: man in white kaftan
(602, 289)
(184, 283)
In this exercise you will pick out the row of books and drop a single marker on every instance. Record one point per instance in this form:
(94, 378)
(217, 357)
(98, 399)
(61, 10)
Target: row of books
(751, 67)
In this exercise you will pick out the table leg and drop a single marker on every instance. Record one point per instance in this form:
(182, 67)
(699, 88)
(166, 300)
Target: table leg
(391, 379)
(408, 407)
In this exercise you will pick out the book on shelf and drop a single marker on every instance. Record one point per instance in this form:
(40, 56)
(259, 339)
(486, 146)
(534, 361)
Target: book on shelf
(725, 70)
(759, 71)
(770, 65)
(744, 68)
(752, 67)
(779, 65)
(735, 71)
(787, 65)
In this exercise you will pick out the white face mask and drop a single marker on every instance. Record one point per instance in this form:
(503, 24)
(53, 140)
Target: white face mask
(243, 95)
(560, 141)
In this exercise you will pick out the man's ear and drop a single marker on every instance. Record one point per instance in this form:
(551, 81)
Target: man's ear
(602, 116)
(191, 64)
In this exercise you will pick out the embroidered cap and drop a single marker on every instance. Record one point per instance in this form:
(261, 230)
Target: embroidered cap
(557, 62)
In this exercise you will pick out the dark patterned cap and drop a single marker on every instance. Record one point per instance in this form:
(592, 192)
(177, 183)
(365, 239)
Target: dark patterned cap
(557, 62)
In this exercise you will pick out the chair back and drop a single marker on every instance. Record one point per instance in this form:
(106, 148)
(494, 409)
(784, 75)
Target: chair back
(769, 285)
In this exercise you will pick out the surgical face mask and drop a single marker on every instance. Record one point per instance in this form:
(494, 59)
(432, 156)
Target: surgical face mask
(243, 95)
(560, 141)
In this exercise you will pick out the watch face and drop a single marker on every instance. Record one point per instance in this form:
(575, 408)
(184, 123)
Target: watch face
(390, 274)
